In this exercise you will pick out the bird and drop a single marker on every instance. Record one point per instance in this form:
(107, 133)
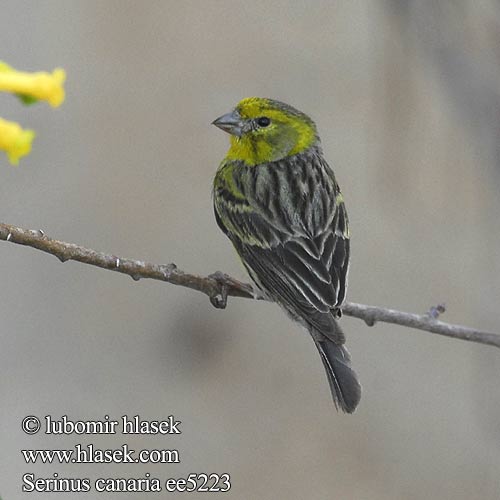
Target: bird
(277, 200)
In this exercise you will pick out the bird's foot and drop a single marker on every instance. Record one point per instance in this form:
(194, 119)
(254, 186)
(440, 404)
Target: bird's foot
(219, 298)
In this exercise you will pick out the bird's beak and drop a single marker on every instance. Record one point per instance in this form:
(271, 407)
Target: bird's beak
(232, 123)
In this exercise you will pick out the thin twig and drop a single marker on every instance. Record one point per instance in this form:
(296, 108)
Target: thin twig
(219, 286)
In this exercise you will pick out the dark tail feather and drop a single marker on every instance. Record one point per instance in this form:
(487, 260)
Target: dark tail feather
(344, 384)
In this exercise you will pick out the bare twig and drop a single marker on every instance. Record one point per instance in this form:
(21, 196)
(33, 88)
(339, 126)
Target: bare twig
(372, 314)
(219, 286)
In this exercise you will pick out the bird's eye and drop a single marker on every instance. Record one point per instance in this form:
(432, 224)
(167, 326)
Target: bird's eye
(263, 121)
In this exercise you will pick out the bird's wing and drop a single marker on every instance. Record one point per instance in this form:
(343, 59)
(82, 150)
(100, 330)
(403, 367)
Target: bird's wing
(308, 284)
(306, 275)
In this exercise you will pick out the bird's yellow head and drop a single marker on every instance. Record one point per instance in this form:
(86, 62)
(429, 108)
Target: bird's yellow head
(264, 130)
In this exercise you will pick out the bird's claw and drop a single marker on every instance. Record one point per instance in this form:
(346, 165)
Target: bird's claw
(219, 299)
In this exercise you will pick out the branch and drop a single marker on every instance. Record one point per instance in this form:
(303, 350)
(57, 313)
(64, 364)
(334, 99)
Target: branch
(219, 286)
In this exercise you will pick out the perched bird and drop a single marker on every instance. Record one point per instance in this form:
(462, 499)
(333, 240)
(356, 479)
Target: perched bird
(277, 200)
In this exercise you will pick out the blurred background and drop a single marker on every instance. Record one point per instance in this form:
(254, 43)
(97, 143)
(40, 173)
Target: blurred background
(406, 96)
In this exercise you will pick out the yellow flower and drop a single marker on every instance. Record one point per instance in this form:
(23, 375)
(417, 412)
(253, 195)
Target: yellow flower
(41, 85)
(15, 141)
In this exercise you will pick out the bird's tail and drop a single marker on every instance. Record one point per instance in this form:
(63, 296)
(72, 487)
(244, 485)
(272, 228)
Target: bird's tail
(344, 384)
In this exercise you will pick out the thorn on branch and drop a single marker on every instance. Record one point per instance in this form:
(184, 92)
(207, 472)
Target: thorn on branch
(435, 311)
(168, 270)
(370, 320)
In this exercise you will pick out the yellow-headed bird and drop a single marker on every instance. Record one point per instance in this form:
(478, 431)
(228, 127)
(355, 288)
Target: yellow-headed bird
(277, 200)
